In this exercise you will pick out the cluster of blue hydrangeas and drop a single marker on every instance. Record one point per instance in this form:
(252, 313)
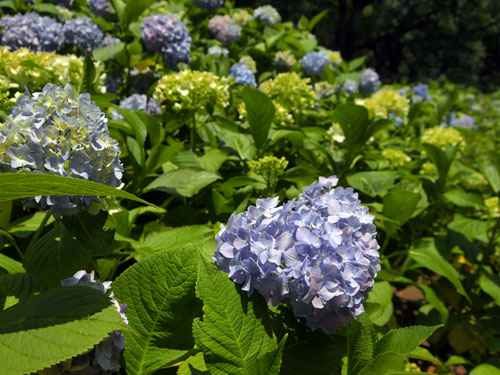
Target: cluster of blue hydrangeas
(50, 132)
(83, 33)
(209, 4)
(101, 8)
(398, 121)
(243, 74)
(422, 91)
(218, 51)
(462, 121)
(169, 37)
(224, 29)
(313, 63)
(267, 14)
(32, 31)
(369, 81)
(319, 252)
(349, 86)
(139, 102)
(106, 354)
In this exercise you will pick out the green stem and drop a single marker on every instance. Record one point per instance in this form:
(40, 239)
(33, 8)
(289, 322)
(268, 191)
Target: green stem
(39, 231)
(12, 240)
(193, 134)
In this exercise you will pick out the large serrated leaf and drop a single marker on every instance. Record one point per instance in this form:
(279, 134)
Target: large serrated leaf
(186, 182)
(19, 285)
(234, 333)
(160, 294)
(382, 364)
(10, 265)
(260, 113)
(490, 284)
(360, 344)
(372, 183)
(400, 205)
(53, 326)
(403, 340)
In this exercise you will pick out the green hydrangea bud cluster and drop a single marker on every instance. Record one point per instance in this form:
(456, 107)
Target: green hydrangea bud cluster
(334, 57)
(323, 89)
(250, 62)
(396, 158)
(189, 91)
(269, 168)
(4, 92)
(442, 137)
(386, 102)
(241, 17)
(285, 59)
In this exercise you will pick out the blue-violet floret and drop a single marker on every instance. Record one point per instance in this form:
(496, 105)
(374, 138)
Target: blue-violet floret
(369, 81)
(313, 63)
(243, 74)
(83, 33)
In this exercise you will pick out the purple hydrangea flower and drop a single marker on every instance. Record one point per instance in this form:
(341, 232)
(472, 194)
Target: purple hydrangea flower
(168, 36)
(224, 29)
(422, 91)
(209, 4)
(106, 354)
(313, 62)
(349, 86)
(50, 132)
(83, 33)
(243, 74)
(463, 121)
(369, 81)
(267, 14)
(32, 31)
(101, 8)
(398, 121)
(320, 253)
(140, 102)
(108, 40)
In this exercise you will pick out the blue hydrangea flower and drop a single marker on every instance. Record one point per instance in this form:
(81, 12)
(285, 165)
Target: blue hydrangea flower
(168, 36)
(218, 51)
(349, 86)
(106, 354)
(224, 29)
(50, 132)
(320, 253)
(32, 31)
(209, 4)
(422, 91)
(83, 33)
(463, 121)
(398, 121)
(267, 14)
(313, 62)
(108, 40)
(243, 75)
(369, 81)
(101, 8)
(140, 102)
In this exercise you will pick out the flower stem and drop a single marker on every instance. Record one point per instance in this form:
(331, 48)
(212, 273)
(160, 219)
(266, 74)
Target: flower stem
(39, 231)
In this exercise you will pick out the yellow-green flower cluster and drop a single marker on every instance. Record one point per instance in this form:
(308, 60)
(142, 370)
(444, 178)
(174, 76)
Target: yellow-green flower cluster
(472, 180)
(241, 17)
(493, 206)
(270, 168)
(442, 137)
(334, 56)
(250, 62)
(336, 133)
(192, 90)
(396, 158)
(386, 102)
(282, 116)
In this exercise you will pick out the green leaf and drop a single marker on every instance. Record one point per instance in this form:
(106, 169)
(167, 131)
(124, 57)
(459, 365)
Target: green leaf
(400, 205)
(234, 335)
(160, 154)
(485, 369)
(353, 120)
(47, 8)
(318, 17)
(260, 114)
(134, 9)
(160, 294)
(470, 228)
(422, 353)
(461, 198)
(492, 174)
(56, 256)
(134, 120)
(403, 340)
(10, 265)
(53, 326)
(169, 238)
(426, 254)
(379, 306)
(433, 299)
(361, 339)
(186, 182)
(382, 364)
(356, 63)
(372, 183)
(28, 224)
(194, 365)
(138, 154)
(88, 76)
(19, 285)
(27, 185)
(90, 230)
(442, 159)
(490, 284)
(107, 52)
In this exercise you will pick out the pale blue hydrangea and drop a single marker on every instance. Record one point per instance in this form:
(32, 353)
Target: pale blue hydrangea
(314, 63)
(209, 4)
(242, 74)
(349, 86)
(32, 31)
(101, 8)
(139, 102)
(422, 91)
(462, 121)
(267, 14)
(105, 356)
(169, 37)
(320, 253)
(108, 40)
(369, 81)
(224, 29)
(83, 33)
(398, 121)
(218, 51)
(50, 132)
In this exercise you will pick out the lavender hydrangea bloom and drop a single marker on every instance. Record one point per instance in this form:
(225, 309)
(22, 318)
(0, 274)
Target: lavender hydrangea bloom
(267, 14)
(398, 121)
(369, 81)
(422, 91)
(463, 121)
(209, 4)
(243, 74)
(101, 8)
(349, 86)
(168, 36)
(140, 102)
(224, 29)
(32, 31)
(218, 51)
(319, 252)
(50, 132)
(313, 62)
(106, 354)
(83, 33)
(108, 40)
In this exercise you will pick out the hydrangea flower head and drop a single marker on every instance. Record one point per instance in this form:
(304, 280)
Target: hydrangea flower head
(369, 81)
(285, 59)
(250, 62)
(397, 158)
(323, 89)
(422, 91)
(224, 29)
(334, 57)
(209, 4)
(462, 121)
(101, 8)
(241, 17)
(139, 102)
(32, 31)
(387, 102)
(349, 86)
(108, 40)
(218, 51)
(319, 252)
(267, 14)
(83, 33)
(314, 63)
(242, 74)
(168, 36)
(443, 137)
(49, 132)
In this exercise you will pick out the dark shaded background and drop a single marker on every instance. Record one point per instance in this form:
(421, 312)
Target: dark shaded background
(413, 40)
